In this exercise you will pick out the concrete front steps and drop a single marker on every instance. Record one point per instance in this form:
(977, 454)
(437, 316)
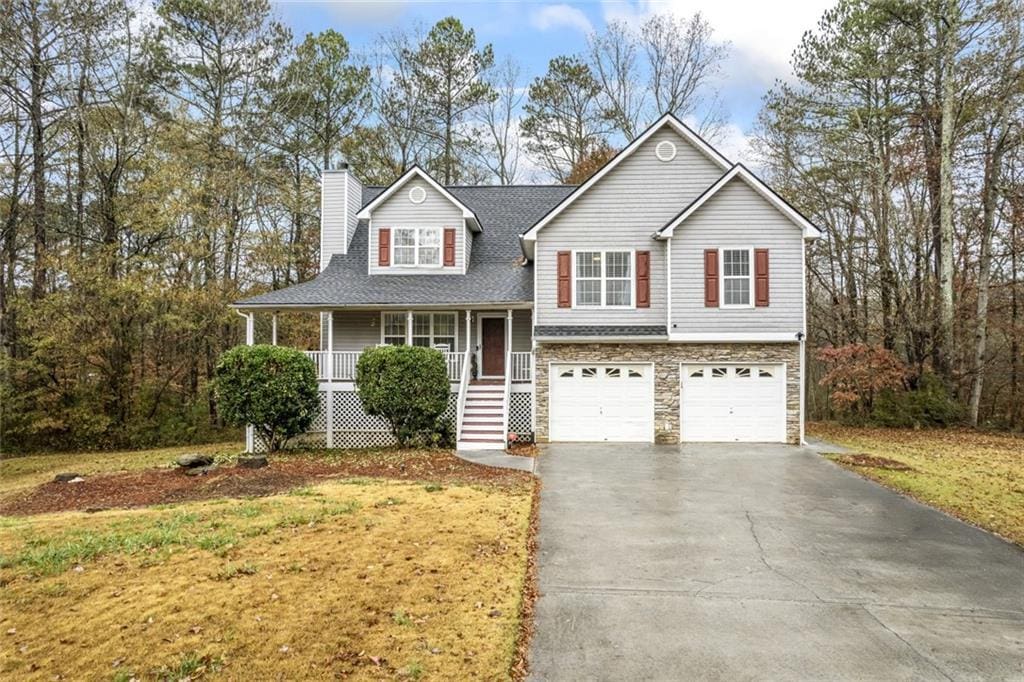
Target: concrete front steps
(483, 417)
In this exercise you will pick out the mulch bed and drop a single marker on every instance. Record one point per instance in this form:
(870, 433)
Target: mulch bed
(873, 462)
(163, 486)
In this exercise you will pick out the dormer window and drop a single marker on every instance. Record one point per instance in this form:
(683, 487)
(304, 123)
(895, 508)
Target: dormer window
(416, 246)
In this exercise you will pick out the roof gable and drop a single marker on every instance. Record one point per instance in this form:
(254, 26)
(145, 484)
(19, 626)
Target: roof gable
(667, 120)
(472, 221)
(810, 231)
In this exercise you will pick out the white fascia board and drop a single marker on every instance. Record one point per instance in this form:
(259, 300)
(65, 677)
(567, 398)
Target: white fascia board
(668, 119)
(755, 183)
(733, 337)
(416, 171)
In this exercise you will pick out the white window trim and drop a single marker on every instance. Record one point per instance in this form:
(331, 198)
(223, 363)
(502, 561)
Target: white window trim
(407, 332)
(416, 247)
(721, 277)
(604, 280)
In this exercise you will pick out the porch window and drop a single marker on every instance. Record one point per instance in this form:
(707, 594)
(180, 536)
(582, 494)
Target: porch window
(736, 278)
(432, 329)
(394, 329)
(416, 246)
(604, 279)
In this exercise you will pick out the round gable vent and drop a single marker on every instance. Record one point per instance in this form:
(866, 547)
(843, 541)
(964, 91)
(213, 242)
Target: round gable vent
(417, 195)
(665, 151)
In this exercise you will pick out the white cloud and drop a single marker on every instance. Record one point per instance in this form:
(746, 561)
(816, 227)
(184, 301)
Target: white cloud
(560, 16)
(763, 35)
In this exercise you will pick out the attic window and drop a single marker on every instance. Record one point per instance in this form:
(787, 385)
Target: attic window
(417, 195)
(665, 151)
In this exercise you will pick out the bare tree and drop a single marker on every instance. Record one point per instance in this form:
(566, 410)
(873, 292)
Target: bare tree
(613, 58)
(684, 61)
(500, 123)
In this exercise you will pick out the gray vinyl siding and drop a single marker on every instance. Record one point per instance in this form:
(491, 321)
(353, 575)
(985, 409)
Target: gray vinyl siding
(355, 199)
(334, 226)
(435, 211)
(739, 217)
(622, 211)
(355, 330)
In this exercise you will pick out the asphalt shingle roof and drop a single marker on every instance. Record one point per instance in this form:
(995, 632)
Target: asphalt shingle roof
(495, 273)
(576, 330)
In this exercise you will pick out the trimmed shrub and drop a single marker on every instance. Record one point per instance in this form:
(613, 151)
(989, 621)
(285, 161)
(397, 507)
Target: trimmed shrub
(271, 387)
(407, 386)
(930, 404)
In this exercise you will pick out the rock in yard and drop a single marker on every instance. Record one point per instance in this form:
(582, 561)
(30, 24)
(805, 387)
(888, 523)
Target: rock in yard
(67, 478)
(200, 471)
(252, 461)
(194, 459)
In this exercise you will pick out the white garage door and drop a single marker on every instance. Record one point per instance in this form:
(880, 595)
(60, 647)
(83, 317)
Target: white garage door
(602, 403)
(733, 403)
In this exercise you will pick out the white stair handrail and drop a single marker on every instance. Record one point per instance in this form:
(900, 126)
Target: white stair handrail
(505, 403)
(463, 390)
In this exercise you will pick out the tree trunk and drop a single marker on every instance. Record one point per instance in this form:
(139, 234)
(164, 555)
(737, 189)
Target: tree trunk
(36, 95)
(948, 50)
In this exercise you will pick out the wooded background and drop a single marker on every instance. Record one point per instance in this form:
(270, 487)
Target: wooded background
(162, 160)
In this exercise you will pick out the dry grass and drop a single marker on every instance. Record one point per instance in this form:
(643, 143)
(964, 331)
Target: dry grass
(978, 477)
(21, 472)
(365, 579)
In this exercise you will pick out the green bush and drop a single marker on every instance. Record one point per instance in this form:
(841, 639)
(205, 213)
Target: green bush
(407, 386)
(930, 404)
(271, 387)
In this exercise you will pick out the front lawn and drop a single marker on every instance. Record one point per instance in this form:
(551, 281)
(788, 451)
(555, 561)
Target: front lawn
(22, 472)
(978, 477)
(363, 577)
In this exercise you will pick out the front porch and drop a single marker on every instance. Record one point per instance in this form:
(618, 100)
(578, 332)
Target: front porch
(488, 353)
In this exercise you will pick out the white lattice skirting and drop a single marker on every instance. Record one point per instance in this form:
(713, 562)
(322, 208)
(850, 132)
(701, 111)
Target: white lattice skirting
(353, 428)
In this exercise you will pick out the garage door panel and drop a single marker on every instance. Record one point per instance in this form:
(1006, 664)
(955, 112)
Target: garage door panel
(601, 402)
(729, 403)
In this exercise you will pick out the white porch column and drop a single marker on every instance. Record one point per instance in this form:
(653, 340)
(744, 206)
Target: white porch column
(329, 404)
(408, 327)
(250, 338)
(273, 330)
(508, 341)
(469, 336)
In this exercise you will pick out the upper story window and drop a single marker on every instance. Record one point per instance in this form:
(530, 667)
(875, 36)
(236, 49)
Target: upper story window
(603, 279)
(736, 278)
(416, 246)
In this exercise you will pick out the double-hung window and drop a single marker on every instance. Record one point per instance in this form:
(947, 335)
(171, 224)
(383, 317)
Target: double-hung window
(428, 329)
(737, 280)
(393, 326)
(604, 279)
(416, 246)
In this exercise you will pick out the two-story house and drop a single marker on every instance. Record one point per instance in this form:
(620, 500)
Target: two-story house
(660, 301)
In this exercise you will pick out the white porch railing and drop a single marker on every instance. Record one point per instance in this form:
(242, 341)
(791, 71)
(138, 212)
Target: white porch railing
(522, 366)
(455, 363)
(345, 364)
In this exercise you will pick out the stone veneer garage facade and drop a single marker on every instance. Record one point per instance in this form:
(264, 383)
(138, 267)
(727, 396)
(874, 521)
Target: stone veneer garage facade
(667, 358)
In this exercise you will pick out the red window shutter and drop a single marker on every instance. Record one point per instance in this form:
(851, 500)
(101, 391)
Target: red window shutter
(643, 279)
(564, 279)
(384, 246)
(711, 278)
(761, 277)
(449, 247)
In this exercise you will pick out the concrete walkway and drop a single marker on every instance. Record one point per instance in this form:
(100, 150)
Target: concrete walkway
(741, 562)
(497, 458)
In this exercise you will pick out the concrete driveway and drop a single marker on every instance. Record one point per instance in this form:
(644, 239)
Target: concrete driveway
(745, 562)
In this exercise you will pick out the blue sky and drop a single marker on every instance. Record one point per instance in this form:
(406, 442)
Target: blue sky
(761, 35)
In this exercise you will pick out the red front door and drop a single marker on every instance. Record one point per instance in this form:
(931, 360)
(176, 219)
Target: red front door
(492, 336)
